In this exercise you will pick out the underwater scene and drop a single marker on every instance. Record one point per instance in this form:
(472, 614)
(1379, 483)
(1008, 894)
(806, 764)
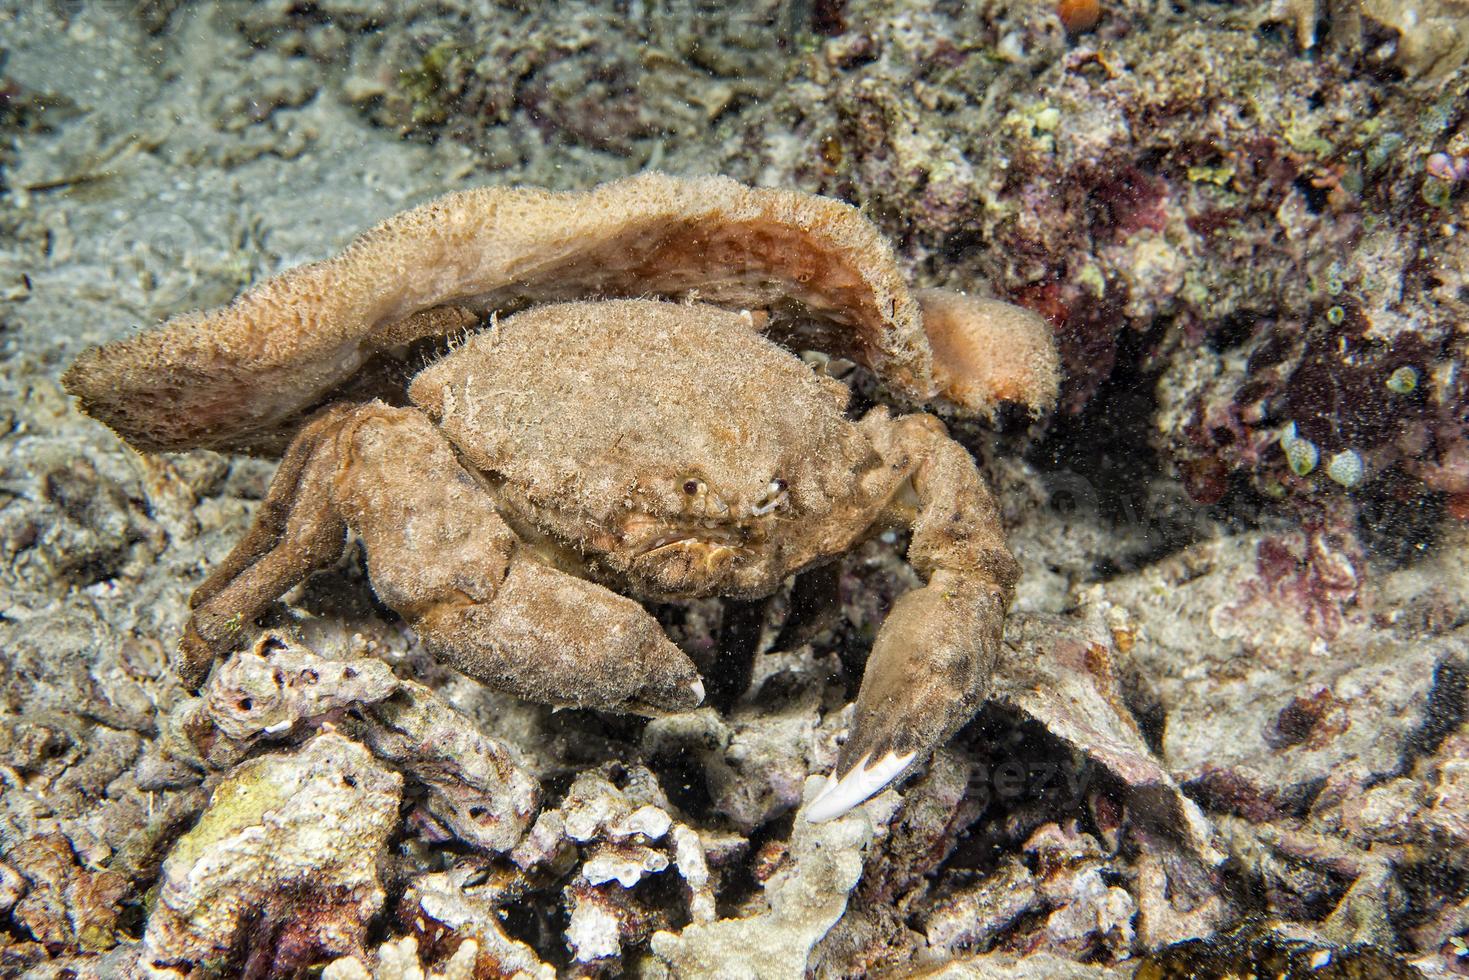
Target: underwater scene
(751, 490)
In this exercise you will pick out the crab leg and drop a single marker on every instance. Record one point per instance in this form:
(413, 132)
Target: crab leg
(296, 531)
(439, 554)
(933, 656)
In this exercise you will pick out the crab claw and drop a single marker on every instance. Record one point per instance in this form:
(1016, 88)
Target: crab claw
(927, 673)
(840, 795)
(931, 661)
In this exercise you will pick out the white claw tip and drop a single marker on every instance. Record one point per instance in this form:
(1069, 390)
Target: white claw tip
(840, 795)
(698, 688)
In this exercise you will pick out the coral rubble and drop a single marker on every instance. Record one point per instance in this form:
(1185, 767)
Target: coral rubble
(1228, 732)
(289, 843)
(1429, 38)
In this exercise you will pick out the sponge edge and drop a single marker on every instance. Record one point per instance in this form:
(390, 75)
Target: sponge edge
(986, 351)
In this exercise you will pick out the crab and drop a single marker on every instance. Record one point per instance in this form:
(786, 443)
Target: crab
(546, 472)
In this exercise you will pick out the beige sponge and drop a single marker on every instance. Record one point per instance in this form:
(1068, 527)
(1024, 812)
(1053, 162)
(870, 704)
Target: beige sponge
(242, 377)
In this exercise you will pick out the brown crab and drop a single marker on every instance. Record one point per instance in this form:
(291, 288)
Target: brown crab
(550, 465)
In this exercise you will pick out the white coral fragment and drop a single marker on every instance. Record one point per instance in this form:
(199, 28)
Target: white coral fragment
(594, 932)
(627, 864)
(471, 912)
(619, 822)
(478, 788)
(805, 898)
(595, 808)
(400, 961)
(649, 821)
(688, 854)
(277, 683)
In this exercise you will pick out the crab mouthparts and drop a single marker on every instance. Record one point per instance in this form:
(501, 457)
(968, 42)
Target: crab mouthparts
(700, 552)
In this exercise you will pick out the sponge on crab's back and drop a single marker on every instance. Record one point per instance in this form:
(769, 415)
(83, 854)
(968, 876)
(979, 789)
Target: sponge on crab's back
(240, 377)
(986, 351)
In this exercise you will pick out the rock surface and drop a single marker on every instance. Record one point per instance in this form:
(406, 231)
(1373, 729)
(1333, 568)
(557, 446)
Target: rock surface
(288, 844)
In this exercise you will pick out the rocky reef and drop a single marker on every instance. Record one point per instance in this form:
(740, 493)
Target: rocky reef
(1228, 729)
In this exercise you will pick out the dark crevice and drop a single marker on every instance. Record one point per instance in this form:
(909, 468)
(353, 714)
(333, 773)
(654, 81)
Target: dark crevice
(741, 883)
(1398, 520)
(1100, 464)
(1444, 712)
(1316, 197)
(1233, 330)
(1107, 443)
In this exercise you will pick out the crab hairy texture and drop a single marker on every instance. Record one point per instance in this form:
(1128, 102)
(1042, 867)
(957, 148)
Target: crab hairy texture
(728, 466)
(538, 478)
